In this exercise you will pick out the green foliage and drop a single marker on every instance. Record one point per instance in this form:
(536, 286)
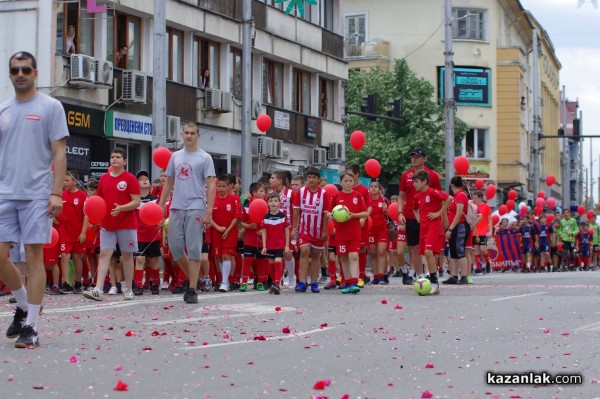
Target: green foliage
(387, 142)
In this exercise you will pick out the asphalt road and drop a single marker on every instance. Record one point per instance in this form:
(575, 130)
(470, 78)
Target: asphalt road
(385, 342)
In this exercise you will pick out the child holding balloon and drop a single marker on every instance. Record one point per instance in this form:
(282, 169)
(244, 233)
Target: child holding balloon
(275, 233)
(251, 253)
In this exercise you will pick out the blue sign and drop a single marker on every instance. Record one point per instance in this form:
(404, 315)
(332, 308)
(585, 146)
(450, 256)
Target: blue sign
(472, 86)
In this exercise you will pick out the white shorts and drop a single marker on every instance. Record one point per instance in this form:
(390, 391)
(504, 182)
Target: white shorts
(127, 240)
(185, 233)
(25, 221)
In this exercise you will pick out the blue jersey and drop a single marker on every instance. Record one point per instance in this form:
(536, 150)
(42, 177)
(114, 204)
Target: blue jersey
(527, 238)
(584, 240)
(544, 232)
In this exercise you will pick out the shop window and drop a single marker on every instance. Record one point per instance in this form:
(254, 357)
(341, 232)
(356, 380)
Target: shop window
(74, 29)
(301, 92)
(272, 83)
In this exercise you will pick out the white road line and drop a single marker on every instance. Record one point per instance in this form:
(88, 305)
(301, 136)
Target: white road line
(295, 335)
(516, 296)
(589, 328)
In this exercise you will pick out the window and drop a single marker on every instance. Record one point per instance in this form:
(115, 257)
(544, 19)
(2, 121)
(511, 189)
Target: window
(209, 56)
(326, 99)
(327, 16)
(468, 24)
(196, 62)
(174, 43)
(476, 143)
(356, 32)
(125, 32)
(272, 83)
(301, 92)
(74, 29)
(235, 72)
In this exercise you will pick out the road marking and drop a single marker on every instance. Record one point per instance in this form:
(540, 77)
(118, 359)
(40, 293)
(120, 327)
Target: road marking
(589, 328)
(517, 296)
(280, 337)
(245, 310)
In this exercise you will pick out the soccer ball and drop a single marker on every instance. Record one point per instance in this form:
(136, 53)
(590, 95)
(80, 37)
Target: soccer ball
(340, 213)
(423, 286)
(166, 225)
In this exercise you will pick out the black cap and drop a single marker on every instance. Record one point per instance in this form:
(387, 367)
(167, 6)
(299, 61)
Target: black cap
(417, 151)
(142, 173)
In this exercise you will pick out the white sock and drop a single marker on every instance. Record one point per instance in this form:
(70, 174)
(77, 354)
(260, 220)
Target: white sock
(21, 297)
(225, 270)
(412, 273)
(33, 315)
(123, 286)
(290, 266)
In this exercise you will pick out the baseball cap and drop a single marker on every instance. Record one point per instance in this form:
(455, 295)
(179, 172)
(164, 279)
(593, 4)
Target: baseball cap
(418, 151)
(142, 173)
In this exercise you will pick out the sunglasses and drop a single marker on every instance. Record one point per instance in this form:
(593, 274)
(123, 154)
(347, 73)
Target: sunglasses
(26, 70)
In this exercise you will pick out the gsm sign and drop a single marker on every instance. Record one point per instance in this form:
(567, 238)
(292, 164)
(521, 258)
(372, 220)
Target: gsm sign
(78, 119)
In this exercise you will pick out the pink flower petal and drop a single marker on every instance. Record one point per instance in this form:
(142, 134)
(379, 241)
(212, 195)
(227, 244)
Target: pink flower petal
(384, 301)
(118, 367)
(121, 386)
(286, 330)
(426, 394)
(73, 359)
(398, 307)
(429, 366)
(277, 308)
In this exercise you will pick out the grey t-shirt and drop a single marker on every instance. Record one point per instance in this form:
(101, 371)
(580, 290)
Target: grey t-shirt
(27, 128)
(190, 169)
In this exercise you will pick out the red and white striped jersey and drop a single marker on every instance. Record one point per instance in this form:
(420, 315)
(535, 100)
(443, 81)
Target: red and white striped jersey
(312, 209)
(285, 203)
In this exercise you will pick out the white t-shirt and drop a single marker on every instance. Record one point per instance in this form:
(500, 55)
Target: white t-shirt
(190, 169)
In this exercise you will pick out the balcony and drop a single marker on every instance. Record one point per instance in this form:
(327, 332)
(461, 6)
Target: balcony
(373, 50)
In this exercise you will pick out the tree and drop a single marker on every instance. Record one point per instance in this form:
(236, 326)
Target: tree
(390, 144)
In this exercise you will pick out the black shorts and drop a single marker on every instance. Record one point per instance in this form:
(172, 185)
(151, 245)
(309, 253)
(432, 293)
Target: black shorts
(240, 247)
(149, 249)
(250, 251)
(274, 253)
(482, 241)
(412, 232)
(332, 250)
(205, 247)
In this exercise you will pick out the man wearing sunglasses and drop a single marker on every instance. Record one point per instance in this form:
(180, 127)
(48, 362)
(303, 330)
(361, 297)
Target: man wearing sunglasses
(33, 135)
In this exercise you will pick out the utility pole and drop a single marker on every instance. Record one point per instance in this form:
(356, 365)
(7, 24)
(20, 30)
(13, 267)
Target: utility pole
(566, 162)
(159, 79)
(246, 152)
(536, 117)
(448, 93)
(580, 144)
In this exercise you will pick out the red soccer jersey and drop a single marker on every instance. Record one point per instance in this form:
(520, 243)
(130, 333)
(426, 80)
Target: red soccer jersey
(349, 230)
(483, 226)
(285, 202)
(377, 216)
(364, 192)
(145, 232)
(429, 201)
(70, 221)
(226, 209)
(407, 187)
(312, 207)
(460, 197)
(250, 238)
(275, 226)
(118, 190)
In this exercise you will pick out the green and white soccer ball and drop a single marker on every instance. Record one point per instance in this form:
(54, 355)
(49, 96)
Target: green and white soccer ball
(340, 213)
(423, 286)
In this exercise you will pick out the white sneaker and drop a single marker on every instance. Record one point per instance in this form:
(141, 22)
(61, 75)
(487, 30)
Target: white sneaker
(164, 285)
(224, 287)
(112, 291)
(94, 294)
(435, 289)
(291, 283)
(128, 294)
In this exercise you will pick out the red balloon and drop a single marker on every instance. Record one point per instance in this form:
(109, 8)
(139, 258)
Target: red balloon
(461, 165)
(369, 223)
(90, 234)
(392, 211)
(539, 203)
(580, 210)
(490, 191)
(331, 190)
(479, 184)
(95, 209)
(549, 218)
(523, 208)
(263, 122)
(53, 238)
(502, 210)
(495, 219)
(512, 194)
(257, 210)
(510, 205)
(330, 226)
(591, 214)
(551, 203)
(541, 194)
(550, 180)
(161, 157)
(538, 210)
(357, 140)
(373, 168)
(151, 213)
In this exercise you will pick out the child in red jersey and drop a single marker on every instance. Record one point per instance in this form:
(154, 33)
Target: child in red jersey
(251, 253)
(278, 183)
(226, 213)
(275, 235)
(429, 207)
(346, 234)
(72, 226)
(378, 235)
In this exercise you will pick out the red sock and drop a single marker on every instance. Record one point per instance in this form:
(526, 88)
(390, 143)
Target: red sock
(477, 262)
(332, 268)
(276, 271)
(362, 264)
(147, 273)
(378, 276)
(212, 270)
(237, 273)
(138, 275)
(351, 281)
(262, 269)
(246, 266)
(168, 268)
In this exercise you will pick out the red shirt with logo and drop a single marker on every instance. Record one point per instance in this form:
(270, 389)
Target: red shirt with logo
(350, 229)
(427, 202)
(407, 187)
(118, 190)
(377, 216)
(275, 226)
(460, 197)
(70, 221)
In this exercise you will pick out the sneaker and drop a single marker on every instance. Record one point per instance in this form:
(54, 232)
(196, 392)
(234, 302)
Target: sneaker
(361, 283)
(367, 279)
(398, 273)
(331, 286)
(351, 289)
(314, 288)
(386, 280)
(451, 281)
(155, 289)
(300, 287)
(146, 287)
(291, 283)
(106, 288)
(375, 281)
(435, 289)
(465, 280)
(477, 272)
(54, 290)
(95, 294)
(409, 280)
(128, 294)
(66, 288)
(27, 338)
(137, 290)
(260, 287)
(323, 278)
(274, 289)
(208, 285)
(244, 287)
(17, 324)
(119, 289)
(77, 288)
(191, 296)
(469, 279)
(164, 285)
(178, 290)
(224, 287)
(234, 286)
(338, 280)
(488, 266)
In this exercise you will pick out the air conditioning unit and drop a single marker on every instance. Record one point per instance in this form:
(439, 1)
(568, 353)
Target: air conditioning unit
(335, 152)
(277, 148)
(173, 128)
(256, 108)
(135, 86)
(285, 152)
(226, 102)
(318, 156)
(262, 146)
(103, 73)
(212, 99)
(82, 68)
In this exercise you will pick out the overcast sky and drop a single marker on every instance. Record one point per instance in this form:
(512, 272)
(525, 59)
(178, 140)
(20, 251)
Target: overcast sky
(575, 33)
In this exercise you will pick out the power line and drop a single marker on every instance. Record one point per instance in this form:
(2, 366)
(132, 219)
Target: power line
(430, 36)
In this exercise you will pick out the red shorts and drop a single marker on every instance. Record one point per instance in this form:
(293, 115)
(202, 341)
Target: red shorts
(51, 255)
(218, 242)
(378, 236)
(343, 248)
(316, 243)
(71, 247)
(392, 245)
(224, 251)
(364, 236)
(432, 241)
(401, 236)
